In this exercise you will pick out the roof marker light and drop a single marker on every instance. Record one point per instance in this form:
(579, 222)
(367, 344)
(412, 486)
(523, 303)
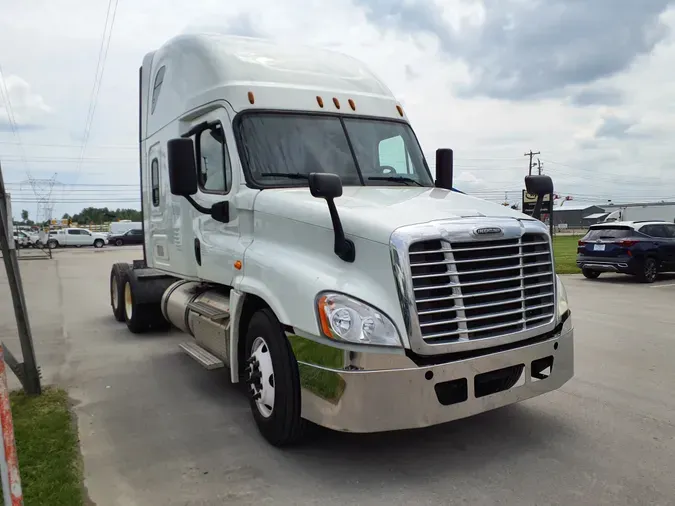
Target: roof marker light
(251, 98)
(400, 110)
(319, 101)
(352, 104)
(336, 102)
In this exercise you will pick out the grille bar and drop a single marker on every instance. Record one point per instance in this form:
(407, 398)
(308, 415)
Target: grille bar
(482, 289)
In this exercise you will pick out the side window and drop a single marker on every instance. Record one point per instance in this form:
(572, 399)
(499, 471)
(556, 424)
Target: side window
(73, 232)
(213, 161)
(670, 231)
(156, 87)
(154, 176)
(393, 153)
(654, 230)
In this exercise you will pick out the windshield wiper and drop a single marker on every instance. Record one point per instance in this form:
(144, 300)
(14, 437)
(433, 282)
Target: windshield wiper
(397, 179)
(289, 175)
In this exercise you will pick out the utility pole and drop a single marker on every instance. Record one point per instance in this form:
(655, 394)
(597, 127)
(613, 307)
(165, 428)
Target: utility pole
(531, 155)
(539, 165)
(27, 372)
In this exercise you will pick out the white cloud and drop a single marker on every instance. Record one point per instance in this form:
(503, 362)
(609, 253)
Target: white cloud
(25, 107)
(56, 54)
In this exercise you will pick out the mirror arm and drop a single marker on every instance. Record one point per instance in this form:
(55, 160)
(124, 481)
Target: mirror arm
(344, 248)
(201, 209)
(200, 127)
(536, 212)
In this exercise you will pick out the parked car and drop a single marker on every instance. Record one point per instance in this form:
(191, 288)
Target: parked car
(76, 237)
(133, 236)
(22, 240)
(640, 248)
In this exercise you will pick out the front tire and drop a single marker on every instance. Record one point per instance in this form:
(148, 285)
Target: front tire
(590, 274)
(52, 244)
(119, 242)
(98, 243)
(273, 381)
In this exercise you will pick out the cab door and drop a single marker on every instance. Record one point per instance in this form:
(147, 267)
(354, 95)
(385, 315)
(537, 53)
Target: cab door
(216, 245)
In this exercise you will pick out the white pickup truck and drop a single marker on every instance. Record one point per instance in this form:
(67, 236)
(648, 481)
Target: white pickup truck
(77, 237)
(294, 231)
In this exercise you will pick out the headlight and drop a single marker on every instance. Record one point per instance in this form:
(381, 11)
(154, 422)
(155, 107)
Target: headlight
(342, 318)
(563, 305)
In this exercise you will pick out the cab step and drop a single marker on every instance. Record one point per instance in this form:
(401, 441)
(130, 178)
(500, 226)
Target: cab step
(205, 358)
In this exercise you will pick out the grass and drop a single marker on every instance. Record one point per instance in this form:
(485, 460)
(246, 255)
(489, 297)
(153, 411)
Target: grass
(47, 444)
(565, 251)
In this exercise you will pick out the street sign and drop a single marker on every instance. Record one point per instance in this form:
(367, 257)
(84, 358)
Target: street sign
(529, 202)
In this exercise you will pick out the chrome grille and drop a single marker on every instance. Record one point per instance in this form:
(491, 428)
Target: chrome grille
(482, 289)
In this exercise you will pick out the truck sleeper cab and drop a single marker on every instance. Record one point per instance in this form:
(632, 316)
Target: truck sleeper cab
(293, 229)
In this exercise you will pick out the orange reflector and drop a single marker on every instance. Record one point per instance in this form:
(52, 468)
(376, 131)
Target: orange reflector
(237, 265)
(323, 318)
(336, 102)
(352, 104)
(251, 98)
(400, 110)
(319, 101)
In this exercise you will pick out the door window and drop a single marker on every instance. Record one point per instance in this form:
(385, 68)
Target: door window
(213, 161)
(73, 232)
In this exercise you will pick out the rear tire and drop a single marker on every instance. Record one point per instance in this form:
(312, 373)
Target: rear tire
(142, 303)
(649, 270)
(272, 364)
(52, 244)
(118, 277)
(98, 243)
(590, 274)
(119, 242)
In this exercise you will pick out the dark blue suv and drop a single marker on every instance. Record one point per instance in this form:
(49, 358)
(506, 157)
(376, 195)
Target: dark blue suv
(640, 248)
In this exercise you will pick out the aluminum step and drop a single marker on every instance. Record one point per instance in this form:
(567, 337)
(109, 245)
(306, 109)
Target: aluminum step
(205, 358)
(208, 311)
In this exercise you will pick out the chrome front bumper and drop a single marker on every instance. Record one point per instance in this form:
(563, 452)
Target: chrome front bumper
(384, 392)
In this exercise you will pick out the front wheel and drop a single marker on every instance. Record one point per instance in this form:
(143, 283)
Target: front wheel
(273, 381)
(52, 244)
(98, 243)
(119, 242)
(590, 274)
(649, 271)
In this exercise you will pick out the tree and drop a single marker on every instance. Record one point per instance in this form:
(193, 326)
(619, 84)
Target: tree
(24, 215)
(100, 215)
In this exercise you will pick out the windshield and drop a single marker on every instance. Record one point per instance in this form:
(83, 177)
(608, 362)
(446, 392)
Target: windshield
(282, 149)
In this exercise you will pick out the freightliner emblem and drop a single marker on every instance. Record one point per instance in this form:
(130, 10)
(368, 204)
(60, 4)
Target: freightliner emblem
(487, 231)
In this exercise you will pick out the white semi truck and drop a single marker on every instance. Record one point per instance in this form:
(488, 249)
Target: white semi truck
(294, 231)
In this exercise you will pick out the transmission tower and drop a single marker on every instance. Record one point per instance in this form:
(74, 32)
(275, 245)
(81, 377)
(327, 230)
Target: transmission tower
(42, 189)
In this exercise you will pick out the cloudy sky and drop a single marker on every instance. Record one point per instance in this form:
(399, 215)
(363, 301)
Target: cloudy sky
(588, 83)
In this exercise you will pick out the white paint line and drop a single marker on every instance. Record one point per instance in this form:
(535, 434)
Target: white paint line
(662, 286)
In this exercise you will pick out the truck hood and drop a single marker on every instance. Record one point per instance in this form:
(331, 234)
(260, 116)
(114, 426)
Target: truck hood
(375, 212)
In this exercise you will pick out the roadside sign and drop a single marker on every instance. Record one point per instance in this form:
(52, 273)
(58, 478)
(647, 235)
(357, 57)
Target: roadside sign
(529, 201)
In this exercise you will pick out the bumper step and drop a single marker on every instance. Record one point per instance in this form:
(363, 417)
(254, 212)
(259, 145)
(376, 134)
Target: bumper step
(205, 358)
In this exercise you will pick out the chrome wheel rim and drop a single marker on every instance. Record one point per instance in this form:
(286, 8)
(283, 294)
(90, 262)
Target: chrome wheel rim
(128, 306)
(261, 377)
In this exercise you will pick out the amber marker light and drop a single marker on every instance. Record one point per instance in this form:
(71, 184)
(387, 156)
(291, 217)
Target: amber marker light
(237, 265)
(352, 104)
(336, 102)
(251, 98)
(323, 317)
(319, 101)
(400, 110)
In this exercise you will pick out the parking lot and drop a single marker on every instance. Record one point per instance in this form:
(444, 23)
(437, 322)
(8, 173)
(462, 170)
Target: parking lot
(157, 429)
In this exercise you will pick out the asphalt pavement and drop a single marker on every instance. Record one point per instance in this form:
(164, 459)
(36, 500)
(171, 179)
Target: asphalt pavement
(157, 429)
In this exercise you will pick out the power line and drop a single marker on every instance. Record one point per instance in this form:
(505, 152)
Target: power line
(93, 99)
